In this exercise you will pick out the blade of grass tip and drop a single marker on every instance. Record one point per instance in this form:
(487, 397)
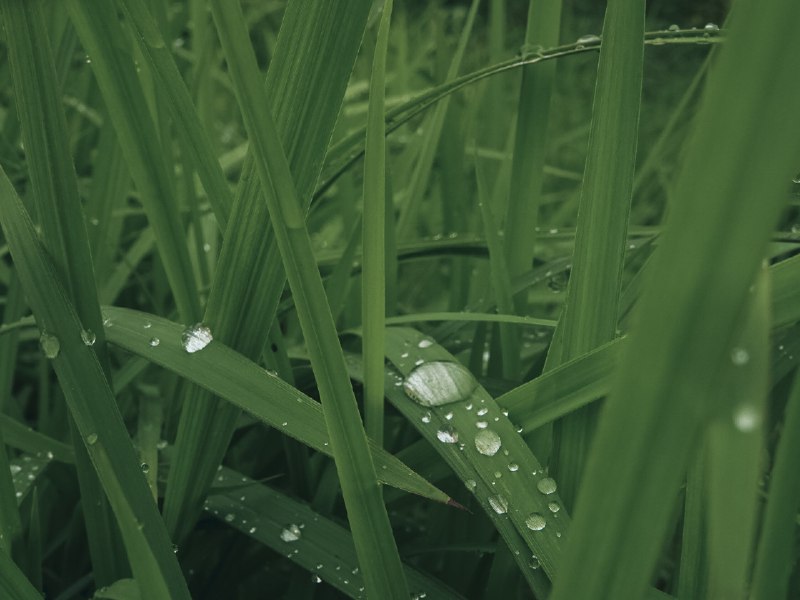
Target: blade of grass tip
(775, 558)
(372, 533)
(711, 247)
(99, 30)
(373, 278)
(590, 314)
(734, 444)
(13, 583)
(530, 142)
(55, 191)
(308, 86)
(430, 142)
(92, 404)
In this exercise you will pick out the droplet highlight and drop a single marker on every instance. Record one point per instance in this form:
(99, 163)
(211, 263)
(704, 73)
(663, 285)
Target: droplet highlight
(196, 337)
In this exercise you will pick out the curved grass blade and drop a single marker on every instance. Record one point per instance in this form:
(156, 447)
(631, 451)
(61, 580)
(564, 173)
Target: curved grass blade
(92, 406)
(306, 537)
(266, 397)
(26, 439)
(711, 248)
(13, 583)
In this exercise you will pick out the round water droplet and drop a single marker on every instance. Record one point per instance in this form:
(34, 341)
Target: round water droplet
(470, 484)
(746, 418)
(147, 325)
(711, 27)
(447, 434)
(50, 345)
(425, 344)
(196, 337)
(487, 442)
(91, 439)
(554, 507)
(436, 383)
(547, 485)
(15, 469)
(449, 415)
(499, 504)
(154, 341)
(144, 467)
(740, 356)
(513, 467)
(291, 533)
(229, 518)
(533, 563)
(426, 418)
(673, 27)
(88, 337)
(535, 522)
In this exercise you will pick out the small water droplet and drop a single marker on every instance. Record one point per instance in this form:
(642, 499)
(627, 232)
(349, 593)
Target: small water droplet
(554, 507)
(196, 337)
(481, 424)
(154, 341)
(449, 416)
(711, 27)
(673, 27)
(425, 344)
(499, 504)
(588, 39)
(482, 411)
(740, 356)
(50, 345)
(91, 439)
(426, 418)
(535, 522)
(316, 578)
(144, 467)
(487, 442)
(470, 484)
(229, 518)
(547, 485)
(436, 383)
(88, 337)
(447, 434)
(291, 534)
(15, 469)
(147, 325)
(533, 563)
(513, 467)
(746, 418)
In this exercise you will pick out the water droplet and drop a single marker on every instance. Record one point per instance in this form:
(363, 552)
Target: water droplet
(436, 383)
(499, 504)
(533, 563)
(291, 533)
(547, 485)
(229, 518)
(482, 411)
(740, 356)
(147, 325)
(15, 469)
(144, 467)
(673, 27)
(588, 39)
(50, 345)
(449, 416)
(154, 341)
(91, 439)
(470, 484)
(481, 424)
(487, 442)
(426, 418)
(88, 337)
(554, 507)
(161, 444)
(513, 467)
(316, 578)
(535, 522)
(746, 418)
(711, 27)
(425, 344)
(196, 337)
(447, 434)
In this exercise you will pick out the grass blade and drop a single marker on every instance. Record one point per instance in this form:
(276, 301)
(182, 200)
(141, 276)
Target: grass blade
(665, 393)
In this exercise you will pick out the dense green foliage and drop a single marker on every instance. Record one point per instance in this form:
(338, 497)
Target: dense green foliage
(355, 298)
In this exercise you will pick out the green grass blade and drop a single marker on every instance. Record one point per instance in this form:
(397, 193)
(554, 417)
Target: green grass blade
(709, 252)
(250, 277)
(369, 522)
(590, 314)
(13, 582)
(318, 544)
(93, 407)
(266, 397)
(99, 30)
(373, 283)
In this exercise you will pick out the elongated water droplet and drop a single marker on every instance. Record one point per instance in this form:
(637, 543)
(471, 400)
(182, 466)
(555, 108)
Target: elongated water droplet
(481, 424)
(482, 411)
(487, 442)
(447, 434)
(291, 534)
(88, 337)
(547, 485)
(50, 345)
(436, 383)
(91, 439)
(711, 27)
(535, 522)
(425, 344)
(499, 504)
(588, 39)
(196, 337)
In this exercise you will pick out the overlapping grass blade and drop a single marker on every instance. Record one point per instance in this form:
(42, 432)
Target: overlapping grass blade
(266, 397)
(93, 407)
(307, 92)
(13, 582)
(590, 314)
(306, 537)
(373, 292)
(709, 252)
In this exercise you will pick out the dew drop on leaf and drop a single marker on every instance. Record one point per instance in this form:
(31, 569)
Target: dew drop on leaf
(547, 485)
(50, 345)
(436, 383)
(499, 504)
(535, 522)
(196, 337)
(447, 434)
(291, 533)
(88, 337)
(487, 442)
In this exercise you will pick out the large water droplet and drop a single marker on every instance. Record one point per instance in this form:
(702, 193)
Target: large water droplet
(487, 442)
(291, 534)
(547, 485)
(196, 337)
(436, 383)
(88, 337)
(50, 345)
(499, 504)
(447, 434)
(425, 344)
(535, 522)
